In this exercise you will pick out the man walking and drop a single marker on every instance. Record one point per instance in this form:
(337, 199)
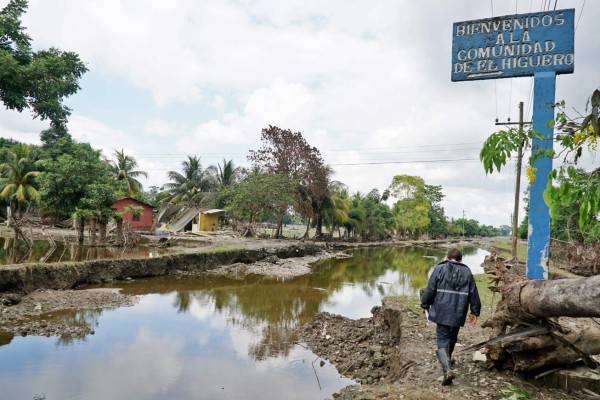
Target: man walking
(450, 292)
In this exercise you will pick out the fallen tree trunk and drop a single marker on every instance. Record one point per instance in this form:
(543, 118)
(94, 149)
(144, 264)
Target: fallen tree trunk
(544, 351)
(530, 309)
(530, 301)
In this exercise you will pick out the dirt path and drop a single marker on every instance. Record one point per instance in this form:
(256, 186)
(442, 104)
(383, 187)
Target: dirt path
(404, 366)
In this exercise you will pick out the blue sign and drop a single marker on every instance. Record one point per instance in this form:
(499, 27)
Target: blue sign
(513, 45)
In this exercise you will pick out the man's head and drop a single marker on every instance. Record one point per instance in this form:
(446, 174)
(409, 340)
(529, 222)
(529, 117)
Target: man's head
(454, 254)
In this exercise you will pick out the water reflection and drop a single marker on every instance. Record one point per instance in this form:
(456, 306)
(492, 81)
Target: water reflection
(43, 251)
(211, 337)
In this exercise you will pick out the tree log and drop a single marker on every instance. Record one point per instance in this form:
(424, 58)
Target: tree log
(531, 301)
(545, 344)
(540, 352)
(562, 297)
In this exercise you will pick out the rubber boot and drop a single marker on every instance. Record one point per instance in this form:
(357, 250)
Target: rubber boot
(450, 351)
(442, 355)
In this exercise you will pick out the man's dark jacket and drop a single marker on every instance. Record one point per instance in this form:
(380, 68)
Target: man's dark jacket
(449, 293)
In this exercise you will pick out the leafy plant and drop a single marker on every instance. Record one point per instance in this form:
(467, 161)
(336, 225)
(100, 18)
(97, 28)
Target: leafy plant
(574, 135)
(514, 393)
(134, 211)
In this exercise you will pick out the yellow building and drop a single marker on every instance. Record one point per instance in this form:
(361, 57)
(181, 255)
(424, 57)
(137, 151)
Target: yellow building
(209, 219)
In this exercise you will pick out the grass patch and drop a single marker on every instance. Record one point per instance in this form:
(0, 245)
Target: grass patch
(488, 298)
(222, 248)
(410, 302)
(504, 246)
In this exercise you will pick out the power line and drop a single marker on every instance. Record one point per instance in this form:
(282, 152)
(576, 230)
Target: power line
(159, 156)
(580, 14)
(410, 162)
(334, 150)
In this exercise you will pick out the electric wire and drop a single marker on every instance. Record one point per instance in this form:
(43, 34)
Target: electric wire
(580, 14)
(408, 162)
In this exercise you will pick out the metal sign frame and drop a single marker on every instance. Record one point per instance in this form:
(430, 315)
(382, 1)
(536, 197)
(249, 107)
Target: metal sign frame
(513, 45)
(535, 44)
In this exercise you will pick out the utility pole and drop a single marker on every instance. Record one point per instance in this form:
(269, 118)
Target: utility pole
(515, 215)
(463, 224)
(515, 225)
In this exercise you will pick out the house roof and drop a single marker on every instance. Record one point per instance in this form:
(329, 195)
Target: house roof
(210, 210)
(135, 200)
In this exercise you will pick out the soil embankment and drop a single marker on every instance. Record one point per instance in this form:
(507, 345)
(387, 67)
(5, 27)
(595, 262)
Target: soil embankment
(392, 355)
(32, 295)
(26, 278)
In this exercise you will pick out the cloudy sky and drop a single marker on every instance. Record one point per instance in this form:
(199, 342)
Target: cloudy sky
(368, 83)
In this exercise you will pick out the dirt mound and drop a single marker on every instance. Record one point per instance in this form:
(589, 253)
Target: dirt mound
(392, 355)
(48, 312)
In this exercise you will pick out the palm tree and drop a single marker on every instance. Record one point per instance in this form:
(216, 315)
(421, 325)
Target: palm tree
(226, 174)
(124, 169)
(336, 206)
(17, 176)
(190, 186)
(18, 183)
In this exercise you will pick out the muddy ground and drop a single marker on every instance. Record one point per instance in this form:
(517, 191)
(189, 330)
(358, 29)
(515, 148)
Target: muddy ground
(390, 365)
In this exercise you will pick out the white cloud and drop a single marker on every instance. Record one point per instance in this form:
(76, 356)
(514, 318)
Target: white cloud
(21, 126)
(283, 104)
(100, 135)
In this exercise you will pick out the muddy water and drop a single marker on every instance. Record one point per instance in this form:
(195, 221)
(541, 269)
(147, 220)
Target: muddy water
(211, 337)
(42, 251)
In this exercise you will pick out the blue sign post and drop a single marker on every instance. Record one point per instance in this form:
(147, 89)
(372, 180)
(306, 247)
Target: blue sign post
(539, 45)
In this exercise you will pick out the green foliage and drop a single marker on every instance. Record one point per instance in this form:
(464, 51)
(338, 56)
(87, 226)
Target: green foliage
(370, 217)
(471, 228)
(19, 175)
(514, 393)
(123, 169)
(574, 201)
(225, 174)
(134, 211)
(335, 206)
(574, 188)
(36, 80)
(413, 206)
(504, 230)
(192, 186)
(523, 228)
(438, 225)
(68, 178)
(4, 143)
(260, 194)
(98, 199)
(151, 196)
(287, 152)
(499, 147)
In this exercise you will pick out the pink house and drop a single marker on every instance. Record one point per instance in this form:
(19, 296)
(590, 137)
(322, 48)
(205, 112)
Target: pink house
(141, 222)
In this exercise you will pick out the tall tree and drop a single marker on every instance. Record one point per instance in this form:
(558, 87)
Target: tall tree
(123, 169)
(18, 176)
(268, 193)
(192, 186)
(67, 178)
(438, 225)
(412, 206)
(336, 206)
(225, 174)
(286, 152)
(36, 80)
